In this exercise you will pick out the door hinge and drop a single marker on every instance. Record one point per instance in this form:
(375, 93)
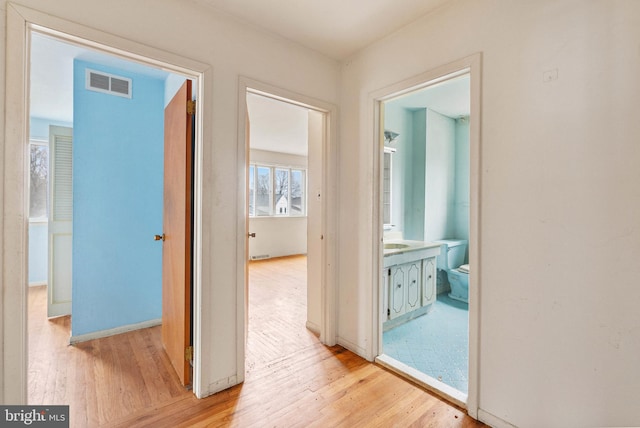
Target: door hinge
(188, 353)
(191, 107)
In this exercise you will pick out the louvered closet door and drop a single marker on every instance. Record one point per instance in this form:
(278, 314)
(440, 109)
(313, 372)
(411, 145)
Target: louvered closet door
(60, 220)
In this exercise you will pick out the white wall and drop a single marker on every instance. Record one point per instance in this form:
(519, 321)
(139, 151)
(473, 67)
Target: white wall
(277, 236)
(233, 50)
(560, 201)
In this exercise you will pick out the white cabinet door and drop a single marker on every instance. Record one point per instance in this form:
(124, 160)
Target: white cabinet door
(428, 281)
(397, 291)
(413, 300)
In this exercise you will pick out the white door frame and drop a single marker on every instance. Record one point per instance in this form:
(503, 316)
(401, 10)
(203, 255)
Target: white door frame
(21, 21)
(328, 323)
(473, 66)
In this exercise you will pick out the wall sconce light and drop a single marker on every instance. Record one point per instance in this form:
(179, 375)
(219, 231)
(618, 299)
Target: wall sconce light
(390, 136)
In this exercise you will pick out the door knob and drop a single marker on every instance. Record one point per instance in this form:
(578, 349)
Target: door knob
(158, 237)
(252, 234)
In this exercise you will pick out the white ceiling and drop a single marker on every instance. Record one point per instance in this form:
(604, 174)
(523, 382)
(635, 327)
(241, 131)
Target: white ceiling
(277, 126)
(451, 98)
(336, 28)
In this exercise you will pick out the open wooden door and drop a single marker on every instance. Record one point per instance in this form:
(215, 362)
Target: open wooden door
(177, 224)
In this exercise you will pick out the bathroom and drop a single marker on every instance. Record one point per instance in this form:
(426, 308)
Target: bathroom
(425, 209)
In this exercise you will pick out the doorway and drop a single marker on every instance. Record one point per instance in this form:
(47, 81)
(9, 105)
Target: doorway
(428, 150)
(114, 161)
(110, 173)
(284, 151)
(290, 218)
(122, 56)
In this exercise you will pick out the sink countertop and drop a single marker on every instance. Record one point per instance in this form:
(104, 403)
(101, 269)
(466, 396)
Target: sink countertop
(415, 250)
(411, 246)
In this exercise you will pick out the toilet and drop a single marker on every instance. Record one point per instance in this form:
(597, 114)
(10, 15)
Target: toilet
(451, 261)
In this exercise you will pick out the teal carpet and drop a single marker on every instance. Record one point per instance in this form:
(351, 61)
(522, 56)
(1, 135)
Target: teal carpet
(437, 344)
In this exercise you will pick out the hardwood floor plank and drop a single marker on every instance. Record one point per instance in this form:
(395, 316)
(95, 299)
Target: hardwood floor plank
(292, 380)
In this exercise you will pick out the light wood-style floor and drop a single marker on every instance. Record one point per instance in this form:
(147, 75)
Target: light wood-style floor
(291, 381)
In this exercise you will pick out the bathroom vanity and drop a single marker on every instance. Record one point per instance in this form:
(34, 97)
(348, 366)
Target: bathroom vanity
(409, 279)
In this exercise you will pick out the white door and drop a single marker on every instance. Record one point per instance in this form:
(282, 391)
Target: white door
(60, 220)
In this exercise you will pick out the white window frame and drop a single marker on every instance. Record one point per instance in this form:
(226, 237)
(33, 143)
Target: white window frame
(272, 169)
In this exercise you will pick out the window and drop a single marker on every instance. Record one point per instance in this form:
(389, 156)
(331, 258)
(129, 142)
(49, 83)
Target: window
(281, 199)
(252, 190)
(297, 192)
(276, 191)
(38, 180)
(263, 191)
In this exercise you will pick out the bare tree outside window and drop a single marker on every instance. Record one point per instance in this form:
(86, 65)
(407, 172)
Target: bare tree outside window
(281, 199)
(38, 181)
(276, 191)
(263, 184)
(297, 192)
(252, 190)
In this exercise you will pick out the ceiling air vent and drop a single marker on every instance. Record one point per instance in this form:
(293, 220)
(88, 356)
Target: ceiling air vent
(108, 83)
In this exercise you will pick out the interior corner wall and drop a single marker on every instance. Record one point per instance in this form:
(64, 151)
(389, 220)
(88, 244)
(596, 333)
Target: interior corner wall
(118, 155)
(415, 216)
(462, 177)
(172, 84)
(558, 190)
(439, 177)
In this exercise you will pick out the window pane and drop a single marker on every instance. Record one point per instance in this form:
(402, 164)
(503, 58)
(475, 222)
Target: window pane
(39, 178)
(252, 185)
(297, 192)
(263, 206)
(281, 193)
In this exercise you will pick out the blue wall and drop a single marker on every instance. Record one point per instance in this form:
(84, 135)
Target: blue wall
(38, 238)
(118, 188)
(433, 161)
(172, 83)
(38, 253)
(462, 193)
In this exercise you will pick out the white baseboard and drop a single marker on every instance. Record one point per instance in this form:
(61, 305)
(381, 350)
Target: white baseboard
(353, 348)
(37, 283)
(492, 420)
(314, 328)
(113, 331)
(222, 384)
